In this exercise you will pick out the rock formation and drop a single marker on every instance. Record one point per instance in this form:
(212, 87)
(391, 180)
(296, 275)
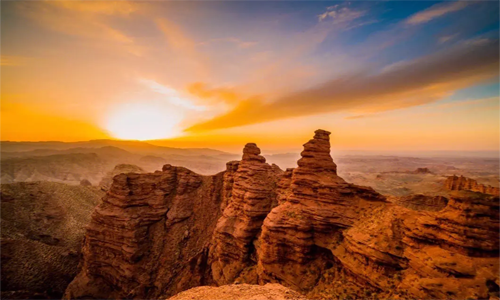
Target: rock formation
(85, 182)
(149, 237)
(422, 171)
(252, 195)
(422, 202)
(157, 234)
(455, 183)
(299, 235)
(240, 292)
(43, 224)
(107, 180)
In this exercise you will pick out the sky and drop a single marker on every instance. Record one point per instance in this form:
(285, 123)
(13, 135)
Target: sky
(390, 75)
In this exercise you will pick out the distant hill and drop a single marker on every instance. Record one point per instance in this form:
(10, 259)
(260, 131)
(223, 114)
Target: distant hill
(72, 162)
(131, 146)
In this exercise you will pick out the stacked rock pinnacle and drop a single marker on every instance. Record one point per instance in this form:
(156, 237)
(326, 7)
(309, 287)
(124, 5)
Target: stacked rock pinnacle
(157, 234)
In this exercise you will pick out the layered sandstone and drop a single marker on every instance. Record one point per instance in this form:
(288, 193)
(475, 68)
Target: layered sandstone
(422, 202)
(455, 183)
(299, 235)
(251, 193)
(107, 180)
(306, 228)
(149, 237)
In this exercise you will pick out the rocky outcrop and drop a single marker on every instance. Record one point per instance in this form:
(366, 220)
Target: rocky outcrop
(298, 236)
(422, 171)
(455, 183)
(251, 193)
(149, 237)
(43, 225)
(306, 228)
(240, 292)
(107, 180)
(85, 182)
(422, 202)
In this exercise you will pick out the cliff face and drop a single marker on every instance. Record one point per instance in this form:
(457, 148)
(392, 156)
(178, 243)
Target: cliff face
(150, 236)
(299, 235)
(455, 183)
(158, 234)
(252, 195)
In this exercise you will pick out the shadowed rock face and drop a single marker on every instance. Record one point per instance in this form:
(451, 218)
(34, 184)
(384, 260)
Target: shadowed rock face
(158, 234)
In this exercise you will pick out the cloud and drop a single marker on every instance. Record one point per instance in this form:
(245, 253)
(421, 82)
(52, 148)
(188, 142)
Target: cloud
(214, 95)
(13, 60)
(173, 96)
(238, 42)
(423, 80)
(103, 7)
(183, 46)
(87, 19)
(436, 11)
(340, 15)
(447, 38)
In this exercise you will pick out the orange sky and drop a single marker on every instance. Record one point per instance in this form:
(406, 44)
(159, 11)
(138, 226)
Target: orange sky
(222, 74)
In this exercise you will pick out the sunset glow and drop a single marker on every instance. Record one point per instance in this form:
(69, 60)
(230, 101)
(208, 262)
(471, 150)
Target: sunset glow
(217, 74)
(142, 122)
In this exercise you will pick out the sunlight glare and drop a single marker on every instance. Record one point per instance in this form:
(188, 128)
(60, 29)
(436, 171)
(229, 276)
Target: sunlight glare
(143, 122)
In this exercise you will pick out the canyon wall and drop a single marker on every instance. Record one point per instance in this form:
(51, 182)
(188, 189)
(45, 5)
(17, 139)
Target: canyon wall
(455, 183)
(306, 228)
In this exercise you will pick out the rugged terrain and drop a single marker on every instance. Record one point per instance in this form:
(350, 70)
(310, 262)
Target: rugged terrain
(240, 292)
(157, 234)
(72, 162)
(43, 224)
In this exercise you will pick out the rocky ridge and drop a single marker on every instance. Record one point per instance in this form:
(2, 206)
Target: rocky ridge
(455, 183)
(306, 228)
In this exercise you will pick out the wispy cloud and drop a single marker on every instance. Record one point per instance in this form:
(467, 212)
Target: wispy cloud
(339, 15)
(83, 18)
(183, 46)
(436, 11)
(238, 42)
(423, 80)
(447, 38)
(13, 60)
(172, 96)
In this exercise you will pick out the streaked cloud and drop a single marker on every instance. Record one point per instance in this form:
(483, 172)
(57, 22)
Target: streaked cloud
(238, 42)
(102, 7)
(183, 46)
(423, 80)
(213, 95)
(83, 18)
(436, 11)
(13, 60)
(172, 96)
(447, 38)
(340, 14)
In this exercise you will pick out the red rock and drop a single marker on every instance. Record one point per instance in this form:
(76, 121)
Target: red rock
(157, 234)
(149, 237)
(455, 183)
(252, 196)
(298, 236)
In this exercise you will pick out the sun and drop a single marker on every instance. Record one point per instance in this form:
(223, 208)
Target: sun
(143, 122)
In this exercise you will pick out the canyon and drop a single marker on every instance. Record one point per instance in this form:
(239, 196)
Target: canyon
(157, 234)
